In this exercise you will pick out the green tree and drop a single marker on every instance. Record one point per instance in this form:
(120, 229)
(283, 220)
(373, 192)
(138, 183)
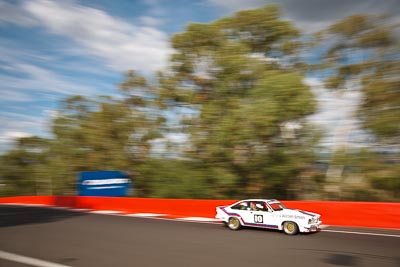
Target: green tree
(365, 54)
(100, 135)
(250, 133)
(24, 168)
(365, 50)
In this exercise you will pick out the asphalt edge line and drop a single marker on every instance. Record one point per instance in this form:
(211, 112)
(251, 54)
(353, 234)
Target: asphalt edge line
(28, 260)
(358, 233)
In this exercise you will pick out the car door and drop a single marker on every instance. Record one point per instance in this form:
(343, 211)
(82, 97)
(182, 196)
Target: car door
(270, 219)
(261, 217)
(253, 215)
(240, 210)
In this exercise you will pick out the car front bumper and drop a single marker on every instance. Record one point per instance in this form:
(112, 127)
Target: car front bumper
(311, 228)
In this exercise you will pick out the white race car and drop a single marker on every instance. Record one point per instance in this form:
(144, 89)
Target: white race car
(268, 213)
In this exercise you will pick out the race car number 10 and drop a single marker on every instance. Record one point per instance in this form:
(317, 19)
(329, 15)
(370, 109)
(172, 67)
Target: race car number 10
(258, 218)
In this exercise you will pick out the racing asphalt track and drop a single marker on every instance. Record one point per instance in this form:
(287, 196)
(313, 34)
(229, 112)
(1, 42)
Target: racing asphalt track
(69, 238)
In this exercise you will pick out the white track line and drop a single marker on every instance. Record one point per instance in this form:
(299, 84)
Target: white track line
(168, 219)
(80, 210)
(105, 212)
(199, 219)
(26, 204)
(358, 233)
(145, 214)
(28, 260)
(70, 209)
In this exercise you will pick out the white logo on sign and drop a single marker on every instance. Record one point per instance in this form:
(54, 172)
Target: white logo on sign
(106, 181)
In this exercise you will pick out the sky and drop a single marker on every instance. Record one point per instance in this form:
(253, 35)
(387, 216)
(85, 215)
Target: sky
(50, 50)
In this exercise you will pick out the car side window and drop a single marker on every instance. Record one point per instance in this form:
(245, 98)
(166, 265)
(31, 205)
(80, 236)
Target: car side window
(262, 206)
(258, 206)
(241, 206)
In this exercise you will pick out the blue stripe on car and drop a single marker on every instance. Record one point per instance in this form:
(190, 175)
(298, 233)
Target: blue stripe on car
(306, 213)
(250, 224)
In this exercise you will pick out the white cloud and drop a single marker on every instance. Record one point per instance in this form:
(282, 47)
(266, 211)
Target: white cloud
(235, 5)
(51, 113)
(7, 138)
(14, 96)
(122, 45)
(150, 21)
(16, 125)
(13, 134)
(12, 14)
(314, 15)
(313, 82)
(230, 6)
(14, 52)
(336, 114)
(37, 79)
(19, 121)
(30, 76)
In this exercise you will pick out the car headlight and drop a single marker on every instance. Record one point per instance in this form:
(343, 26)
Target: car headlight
(312, 220)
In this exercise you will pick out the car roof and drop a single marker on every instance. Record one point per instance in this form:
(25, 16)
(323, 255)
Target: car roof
(260, 199)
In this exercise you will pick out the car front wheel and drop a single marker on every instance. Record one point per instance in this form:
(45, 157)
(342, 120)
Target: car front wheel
(290, 228)
(234, 223)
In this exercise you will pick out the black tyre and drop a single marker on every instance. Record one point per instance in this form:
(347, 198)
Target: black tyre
(290, 228)
(234, 223)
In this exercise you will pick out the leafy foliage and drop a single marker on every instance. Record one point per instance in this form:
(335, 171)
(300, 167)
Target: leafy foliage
(364, 51)
(245, 100)
(365, 48)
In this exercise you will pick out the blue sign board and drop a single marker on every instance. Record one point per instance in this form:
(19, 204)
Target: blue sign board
(104, 183)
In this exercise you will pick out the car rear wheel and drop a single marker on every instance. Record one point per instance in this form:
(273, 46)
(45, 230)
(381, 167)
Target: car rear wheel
(290, 228)
(234, 223)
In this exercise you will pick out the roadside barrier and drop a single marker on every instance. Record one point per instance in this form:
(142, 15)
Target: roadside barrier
(358, 214)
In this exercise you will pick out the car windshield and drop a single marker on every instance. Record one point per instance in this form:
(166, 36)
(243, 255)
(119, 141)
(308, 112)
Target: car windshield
(276, 206)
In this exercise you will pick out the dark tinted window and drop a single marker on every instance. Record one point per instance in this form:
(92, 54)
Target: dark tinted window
(241, 206)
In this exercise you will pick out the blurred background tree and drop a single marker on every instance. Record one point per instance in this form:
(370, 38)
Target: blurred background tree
(25, 167)
(365, 56)
(250, 134)
(365, 50)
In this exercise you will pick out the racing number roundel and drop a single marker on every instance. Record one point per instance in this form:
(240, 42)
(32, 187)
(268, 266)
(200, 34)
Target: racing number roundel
(258, 218)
